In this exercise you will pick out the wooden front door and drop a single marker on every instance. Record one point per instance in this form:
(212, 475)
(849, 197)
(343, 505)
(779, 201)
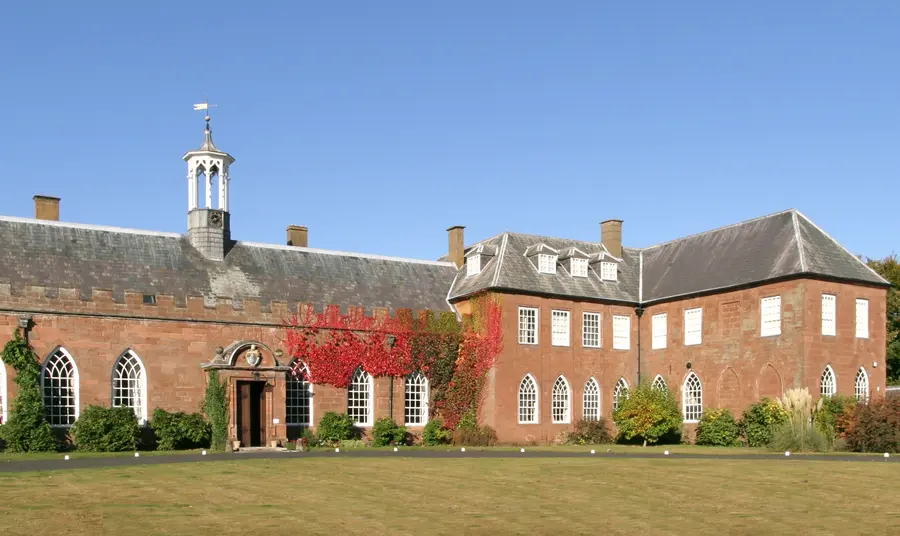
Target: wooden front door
(251, 413)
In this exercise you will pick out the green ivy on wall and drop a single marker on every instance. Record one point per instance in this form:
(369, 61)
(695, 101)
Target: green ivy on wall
(27, 429)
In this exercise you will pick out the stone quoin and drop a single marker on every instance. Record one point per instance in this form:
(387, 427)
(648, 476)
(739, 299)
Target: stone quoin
(128, 317)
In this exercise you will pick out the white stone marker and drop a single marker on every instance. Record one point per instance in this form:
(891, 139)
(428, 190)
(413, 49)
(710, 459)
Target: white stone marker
(592, 451)
(887, 455)
(66, 457)
(787, 453)
(395, 449)
(462, 449)
(522, 450)
(137, 454)
(337, 450)
(666, 453)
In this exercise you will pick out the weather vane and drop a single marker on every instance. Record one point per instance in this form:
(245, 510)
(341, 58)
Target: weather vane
(205, 105)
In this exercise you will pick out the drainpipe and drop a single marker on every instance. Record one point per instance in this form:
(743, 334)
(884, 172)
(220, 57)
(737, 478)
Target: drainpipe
(639, 311)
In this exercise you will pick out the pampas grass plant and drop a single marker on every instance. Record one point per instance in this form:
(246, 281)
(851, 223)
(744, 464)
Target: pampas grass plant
(799, 433)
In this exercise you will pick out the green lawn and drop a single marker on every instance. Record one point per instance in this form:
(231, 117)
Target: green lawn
(458, 496)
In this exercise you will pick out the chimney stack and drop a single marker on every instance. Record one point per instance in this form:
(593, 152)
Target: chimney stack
(456, 247)
(296, 235)
(611, 237)
(46, 208)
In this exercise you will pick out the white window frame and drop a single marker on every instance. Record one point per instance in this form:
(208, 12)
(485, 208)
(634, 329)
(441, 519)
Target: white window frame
(419, 382)
(560, 332)
(591, 326)
(659, 326)
(298, 384)
(862, 318)
(591, 400)
(547, 263)
(693, 326)
(524, 333)
(617, 394)
(659, 383)
(141, 412)
(536, 405)
(861, 385)
(692, 408)
(621, 341)
(828, 382)
(561, 395)
(473, 265)
(829, 314)
(75, 385)
(370, 397)
(579, 267)
(770, 316)
(3, 396)
(609, 271)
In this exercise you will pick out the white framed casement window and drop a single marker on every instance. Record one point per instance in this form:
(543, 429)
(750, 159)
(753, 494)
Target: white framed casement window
(620, 393)
(415, 400)
(829, 307)
(861, 385)
(473, 265)
(129, 385)
(528, 400)
(693, 326)
(359, 398)
(560, 408)
(546, 263)
(692, 398)
(298, 395)
(559, 328)
(609, 271)
(621, 332)
(590, 330)
(862, 318)
(579, 267)
(828, 382)
(770, 316)
(659, 383)
(659, 329)
(591, 403)
(59, 384)
(528, 325)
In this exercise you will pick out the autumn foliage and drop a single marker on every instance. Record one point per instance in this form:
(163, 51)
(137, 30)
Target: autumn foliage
(454, 355)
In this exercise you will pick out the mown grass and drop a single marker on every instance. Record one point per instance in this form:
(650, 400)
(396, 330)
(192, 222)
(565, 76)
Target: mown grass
(457, 496)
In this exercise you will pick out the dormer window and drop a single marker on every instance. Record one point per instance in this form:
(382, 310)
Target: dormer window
(579, 267)
(546, 263)
(609, 271)
(473, 265)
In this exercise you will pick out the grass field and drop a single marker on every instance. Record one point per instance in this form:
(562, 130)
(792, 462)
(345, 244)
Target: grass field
(458, 496)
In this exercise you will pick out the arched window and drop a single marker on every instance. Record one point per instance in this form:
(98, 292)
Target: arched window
(692, 398)
(659, 383)
(591, 405)
(528, 400)
(861, 386)
(59, 383)
(620, 393)
(359, 398)
(828, 383)
(298, 395)
(3, 414)
(129, 385)
(415, 400)
(559, 403)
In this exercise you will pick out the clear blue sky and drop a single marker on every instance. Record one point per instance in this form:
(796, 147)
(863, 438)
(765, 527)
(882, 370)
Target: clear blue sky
(378, 125)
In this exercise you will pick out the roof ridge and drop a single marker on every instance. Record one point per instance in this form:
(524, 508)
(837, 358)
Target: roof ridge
(500, 255)
(847, 251)
(799, 240)
(722, 228)
(344, 253)
(90, 227)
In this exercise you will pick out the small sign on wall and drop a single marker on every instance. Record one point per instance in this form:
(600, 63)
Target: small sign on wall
(276, 421)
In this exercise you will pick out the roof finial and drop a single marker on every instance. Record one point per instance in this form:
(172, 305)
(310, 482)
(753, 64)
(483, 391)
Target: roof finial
(205, 105)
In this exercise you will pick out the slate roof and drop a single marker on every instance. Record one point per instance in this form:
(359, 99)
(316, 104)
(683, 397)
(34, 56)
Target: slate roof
(62, 255)
(779, 245)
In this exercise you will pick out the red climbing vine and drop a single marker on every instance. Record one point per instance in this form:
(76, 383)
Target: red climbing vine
(455, 356)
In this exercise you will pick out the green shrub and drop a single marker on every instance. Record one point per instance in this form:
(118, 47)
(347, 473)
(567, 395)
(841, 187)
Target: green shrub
(334, 427)
(760, 420)
(386, 432)
(434, 433)
(589, 432)
(215, 407)
(800, 433)
(178, 431)
(474, 436)
(102, 429)
(875, 427)
(834, 414)
(718, 428)
(351, 444)
(27, 429)
(647, 414)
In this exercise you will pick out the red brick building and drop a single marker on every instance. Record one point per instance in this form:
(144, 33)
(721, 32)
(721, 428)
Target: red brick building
(135, 318)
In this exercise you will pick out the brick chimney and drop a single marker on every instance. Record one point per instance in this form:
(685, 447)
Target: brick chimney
(456, 247)
(296, 235)
(46, 208)
(611, 236)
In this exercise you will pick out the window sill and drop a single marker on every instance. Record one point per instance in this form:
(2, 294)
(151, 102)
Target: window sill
(560, 345)
(529, 422)
(690, 421)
